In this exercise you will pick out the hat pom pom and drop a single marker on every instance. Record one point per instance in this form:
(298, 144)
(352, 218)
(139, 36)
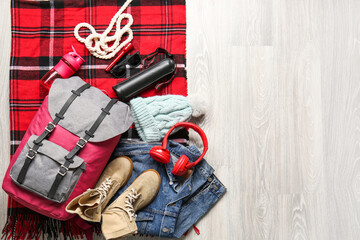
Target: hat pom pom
(199, 105)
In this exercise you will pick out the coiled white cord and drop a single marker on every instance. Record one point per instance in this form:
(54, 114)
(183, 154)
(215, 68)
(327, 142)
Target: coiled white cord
(98, 44)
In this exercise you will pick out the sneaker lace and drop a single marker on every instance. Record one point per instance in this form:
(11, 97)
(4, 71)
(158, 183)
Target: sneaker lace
(104, 188)
(129, 207)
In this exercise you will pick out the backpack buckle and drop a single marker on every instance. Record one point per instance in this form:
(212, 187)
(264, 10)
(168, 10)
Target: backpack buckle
(31, 153)
(50, 127)
(81, 143)
(63, 173)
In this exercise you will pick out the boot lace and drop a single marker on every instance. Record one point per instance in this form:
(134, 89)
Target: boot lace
(129, 207)
(104, 188)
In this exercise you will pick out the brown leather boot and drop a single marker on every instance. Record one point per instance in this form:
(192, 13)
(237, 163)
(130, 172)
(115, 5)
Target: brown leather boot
(91, 203)
(118, 219)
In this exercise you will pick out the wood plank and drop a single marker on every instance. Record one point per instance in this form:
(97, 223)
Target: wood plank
(5, 43)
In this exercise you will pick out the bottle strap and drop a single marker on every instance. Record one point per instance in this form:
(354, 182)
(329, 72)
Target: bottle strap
(149, 60)
(79, 145)
(48, 130)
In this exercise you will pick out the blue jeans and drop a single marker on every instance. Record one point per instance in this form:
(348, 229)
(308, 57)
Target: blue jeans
(180, 202)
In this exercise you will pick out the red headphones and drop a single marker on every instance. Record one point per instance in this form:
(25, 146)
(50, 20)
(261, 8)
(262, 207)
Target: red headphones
(161, 154)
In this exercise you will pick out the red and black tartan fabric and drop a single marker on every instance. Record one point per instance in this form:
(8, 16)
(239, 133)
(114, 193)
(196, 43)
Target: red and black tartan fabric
(42, 32)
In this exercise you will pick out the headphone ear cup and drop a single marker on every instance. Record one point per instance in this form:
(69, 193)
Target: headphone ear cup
(180, 166)
(160, 154)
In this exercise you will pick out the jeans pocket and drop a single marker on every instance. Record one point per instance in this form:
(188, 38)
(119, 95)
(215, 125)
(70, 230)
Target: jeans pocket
(144, 221)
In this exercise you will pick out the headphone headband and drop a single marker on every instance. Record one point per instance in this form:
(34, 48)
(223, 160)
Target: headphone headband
(197, 129)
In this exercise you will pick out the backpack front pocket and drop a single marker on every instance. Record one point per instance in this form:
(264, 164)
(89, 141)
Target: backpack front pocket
(45, 164)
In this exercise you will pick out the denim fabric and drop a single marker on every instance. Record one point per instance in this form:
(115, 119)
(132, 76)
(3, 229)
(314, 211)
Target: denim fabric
(180, 202)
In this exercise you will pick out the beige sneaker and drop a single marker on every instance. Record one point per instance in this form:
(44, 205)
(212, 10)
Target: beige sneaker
(91, 203)
(118, 219)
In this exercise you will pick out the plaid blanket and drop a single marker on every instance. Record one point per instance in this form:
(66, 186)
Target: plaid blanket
(42, 32)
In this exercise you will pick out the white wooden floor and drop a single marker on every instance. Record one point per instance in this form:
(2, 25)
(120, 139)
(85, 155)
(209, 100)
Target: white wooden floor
(283, 83)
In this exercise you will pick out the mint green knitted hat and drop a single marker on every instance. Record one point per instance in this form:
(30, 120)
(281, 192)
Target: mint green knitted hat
(154, 116)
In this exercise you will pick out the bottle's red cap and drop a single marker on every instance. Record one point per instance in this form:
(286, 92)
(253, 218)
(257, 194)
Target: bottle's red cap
(69, 64)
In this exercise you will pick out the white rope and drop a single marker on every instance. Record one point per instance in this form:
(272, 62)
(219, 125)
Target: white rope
(98, 44)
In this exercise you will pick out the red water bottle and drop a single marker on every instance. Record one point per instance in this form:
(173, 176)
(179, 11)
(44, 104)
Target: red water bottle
(66, 67)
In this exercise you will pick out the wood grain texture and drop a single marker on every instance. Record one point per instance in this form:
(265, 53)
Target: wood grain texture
(281, 84)
(5, 43)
